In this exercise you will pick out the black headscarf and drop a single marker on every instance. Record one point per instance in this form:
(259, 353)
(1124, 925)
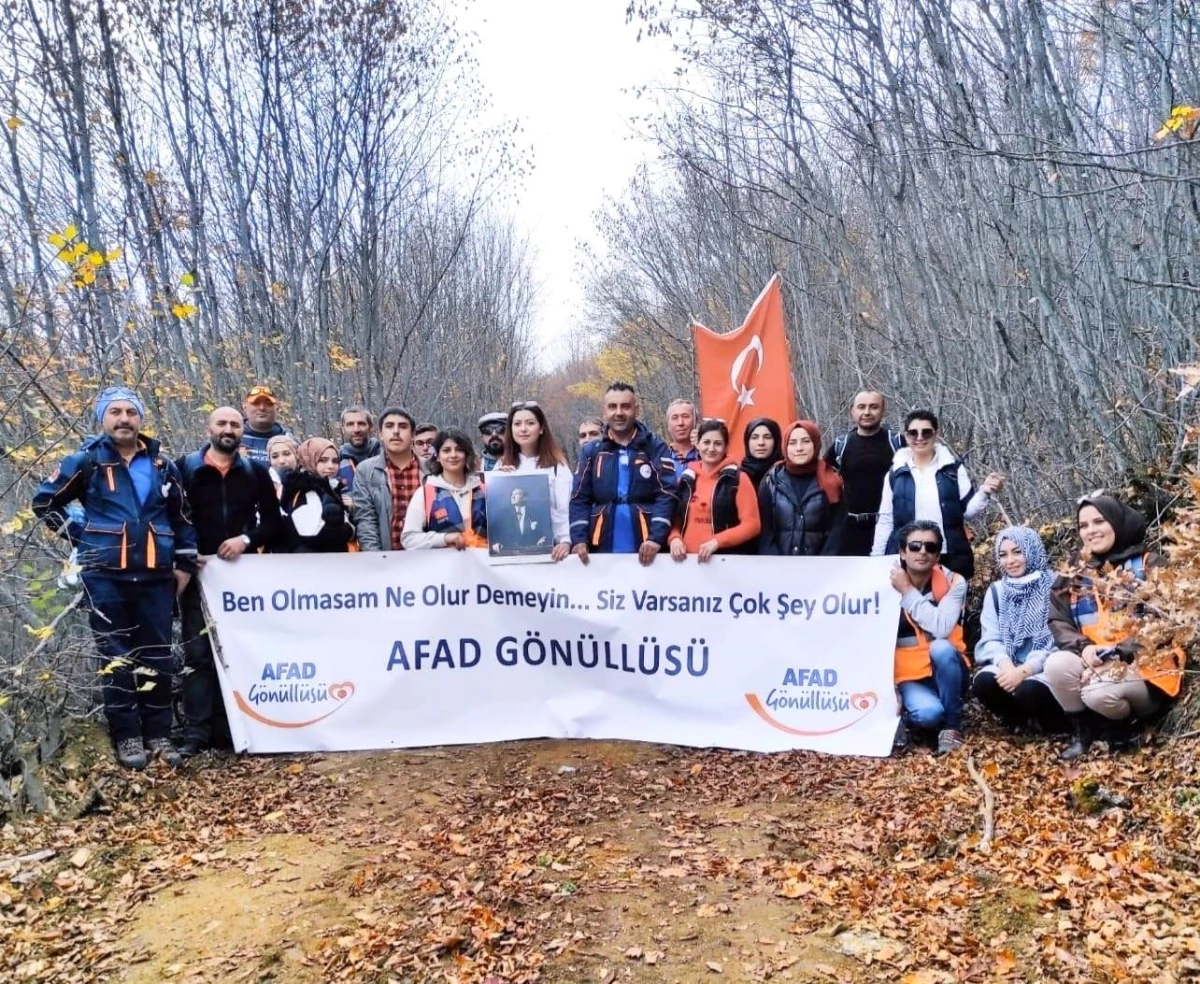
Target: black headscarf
(1128, 524)
(756, 468)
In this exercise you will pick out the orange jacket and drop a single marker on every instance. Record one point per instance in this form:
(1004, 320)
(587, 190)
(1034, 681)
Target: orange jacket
(696, 527)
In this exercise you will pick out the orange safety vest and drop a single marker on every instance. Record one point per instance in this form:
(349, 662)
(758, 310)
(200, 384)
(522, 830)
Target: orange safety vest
(473, 539)
(1163, 669)
(912, 662)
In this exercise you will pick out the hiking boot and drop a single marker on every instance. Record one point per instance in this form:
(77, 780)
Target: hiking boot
(131, 754)
(948, 741)
(192, 747)
(163, 748)
(1083, 733)
(900, 742)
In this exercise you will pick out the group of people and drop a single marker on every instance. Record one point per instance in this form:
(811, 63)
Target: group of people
(1055, 650)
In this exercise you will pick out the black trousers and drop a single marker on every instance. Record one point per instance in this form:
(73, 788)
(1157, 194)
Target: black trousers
(1031, 701)
(204, 719)
(857, 538)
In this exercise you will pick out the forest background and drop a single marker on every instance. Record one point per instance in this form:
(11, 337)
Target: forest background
(975, 206)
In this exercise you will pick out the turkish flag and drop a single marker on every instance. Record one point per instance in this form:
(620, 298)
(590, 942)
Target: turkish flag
(746, 373)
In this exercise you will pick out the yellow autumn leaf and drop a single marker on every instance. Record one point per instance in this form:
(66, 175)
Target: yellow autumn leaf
(1183, 120)
(187, 279)
(151, 178)
(14, 122)
(78, 250)
(113, 255)
(14, 525)
(184, 310)
(45, 632)
(56, 239)
(95, 258)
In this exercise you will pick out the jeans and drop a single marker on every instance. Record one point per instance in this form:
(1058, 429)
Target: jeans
(131, 621)
(203, 709)
(937, 701)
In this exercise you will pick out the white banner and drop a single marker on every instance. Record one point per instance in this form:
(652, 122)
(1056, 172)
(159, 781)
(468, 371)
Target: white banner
(435, 647)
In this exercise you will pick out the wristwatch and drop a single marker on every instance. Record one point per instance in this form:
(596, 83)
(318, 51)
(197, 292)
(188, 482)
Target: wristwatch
(245, 539)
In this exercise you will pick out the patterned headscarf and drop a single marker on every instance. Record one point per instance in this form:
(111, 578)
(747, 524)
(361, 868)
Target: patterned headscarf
(1025, 611)
(311, 450)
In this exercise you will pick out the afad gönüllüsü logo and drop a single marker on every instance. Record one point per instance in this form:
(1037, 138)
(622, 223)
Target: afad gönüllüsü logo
(289, 695)
(808, 702)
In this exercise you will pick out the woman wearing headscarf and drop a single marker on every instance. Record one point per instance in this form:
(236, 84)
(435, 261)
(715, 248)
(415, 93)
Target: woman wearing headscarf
(718, 510)
(1015, 639)
(763, 443)
(313, 500)
(799, 501)
(1096, 674)
(281, 459)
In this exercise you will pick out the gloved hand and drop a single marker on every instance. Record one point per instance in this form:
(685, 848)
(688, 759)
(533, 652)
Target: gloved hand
(307, 518)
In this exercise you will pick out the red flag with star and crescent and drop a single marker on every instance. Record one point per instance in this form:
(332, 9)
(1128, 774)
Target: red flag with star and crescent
(746, 373)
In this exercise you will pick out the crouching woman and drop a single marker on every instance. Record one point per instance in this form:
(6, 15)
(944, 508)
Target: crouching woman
(1096, 674)
(1015, 640)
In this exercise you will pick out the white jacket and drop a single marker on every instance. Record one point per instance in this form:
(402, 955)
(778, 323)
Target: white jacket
(561, 481)
(928, 504)
(414, 536)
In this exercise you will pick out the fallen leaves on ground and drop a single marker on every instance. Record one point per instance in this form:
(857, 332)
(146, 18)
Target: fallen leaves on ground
(486, 864)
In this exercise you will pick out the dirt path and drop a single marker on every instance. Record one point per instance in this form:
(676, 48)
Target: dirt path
(566, 862)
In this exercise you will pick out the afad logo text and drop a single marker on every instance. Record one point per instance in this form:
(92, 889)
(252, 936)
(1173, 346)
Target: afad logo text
(808, 702)
(289, 695)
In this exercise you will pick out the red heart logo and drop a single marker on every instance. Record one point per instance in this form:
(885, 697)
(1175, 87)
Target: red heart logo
(864, 701)
(344, 691)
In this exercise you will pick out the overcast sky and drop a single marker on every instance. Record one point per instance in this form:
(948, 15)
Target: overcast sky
(564, 70)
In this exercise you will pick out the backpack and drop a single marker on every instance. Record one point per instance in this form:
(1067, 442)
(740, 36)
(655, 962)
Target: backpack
(895, 440)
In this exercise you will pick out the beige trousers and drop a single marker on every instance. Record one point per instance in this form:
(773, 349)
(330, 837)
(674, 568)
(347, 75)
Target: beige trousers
(1113, 699)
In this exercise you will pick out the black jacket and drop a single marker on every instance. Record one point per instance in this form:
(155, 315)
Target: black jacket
(335, 533)
(242, 501)
(797, 519)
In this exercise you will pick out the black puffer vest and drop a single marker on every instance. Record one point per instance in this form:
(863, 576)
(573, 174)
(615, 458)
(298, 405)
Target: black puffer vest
(799, 527)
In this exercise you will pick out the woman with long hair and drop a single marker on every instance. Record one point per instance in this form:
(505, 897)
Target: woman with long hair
(718, 510)
(530, 448)
(313, 501)
(763, 442)
(449, 509)
(800, 500)
(1099, 674)
(1015, 640)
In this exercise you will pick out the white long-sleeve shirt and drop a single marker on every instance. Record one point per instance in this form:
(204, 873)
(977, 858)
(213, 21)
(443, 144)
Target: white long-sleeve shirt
(928, 505)
(560, 494)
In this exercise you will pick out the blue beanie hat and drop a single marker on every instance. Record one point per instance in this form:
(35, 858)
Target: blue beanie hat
(112, 394)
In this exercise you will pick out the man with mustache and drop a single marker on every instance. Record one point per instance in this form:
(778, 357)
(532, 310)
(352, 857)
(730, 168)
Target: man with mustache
(234, 510)
(138, 551)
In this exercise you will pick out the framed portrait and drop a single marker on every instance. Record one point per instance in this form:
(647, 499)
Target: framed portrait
(520, 529)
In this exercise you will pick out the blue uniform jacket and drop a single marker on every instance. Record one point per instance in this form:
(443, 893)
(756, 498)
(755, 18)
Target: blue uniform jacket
(121, 535)
(653, 474)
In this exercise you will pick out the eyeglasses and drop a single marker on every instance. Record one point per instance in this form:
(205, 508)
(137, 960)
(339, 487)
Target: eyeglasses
(526, 405)
(921, 433)
(928, 546)
(422, 442)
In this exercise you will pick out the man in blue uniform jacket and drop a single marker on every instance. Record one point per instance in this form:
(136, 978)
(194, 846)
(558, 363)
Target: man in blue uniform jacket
(624, 495)
(137, 548)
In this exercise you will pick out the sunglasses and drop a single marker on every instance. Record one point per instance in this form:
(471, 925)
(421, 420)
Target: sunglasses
(921, 433)
(526, 405)
(917, 546)
(491, 429)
